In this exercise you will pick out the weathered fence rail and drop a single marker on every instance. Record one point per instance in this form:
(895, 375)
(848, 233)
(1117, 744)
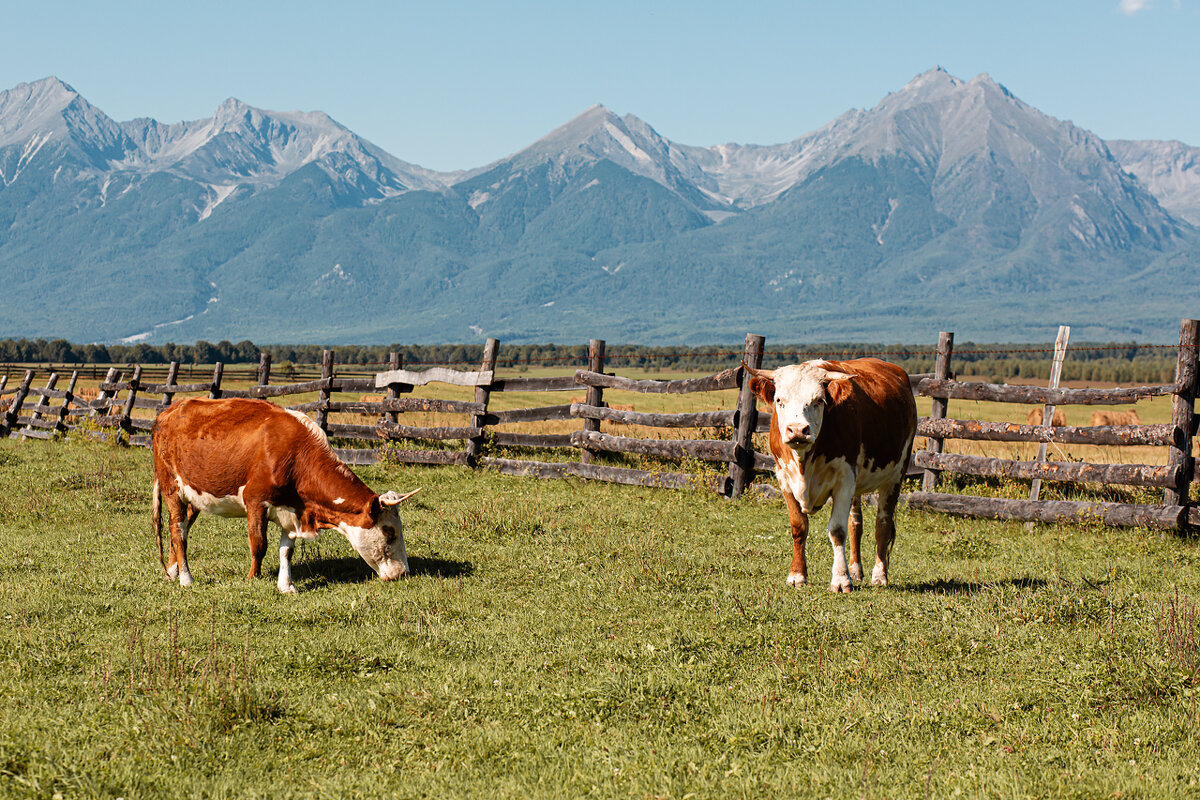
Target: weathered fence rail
(125, 405)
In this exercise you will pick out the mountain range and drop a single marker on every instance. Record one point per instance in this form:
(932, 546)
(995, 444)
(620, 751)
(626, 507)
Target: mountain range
(950, 205)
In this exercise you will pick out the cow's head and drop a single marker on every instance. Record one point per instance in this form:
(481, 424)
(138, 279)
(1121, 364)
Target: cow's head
(379, 538)
(798, 395)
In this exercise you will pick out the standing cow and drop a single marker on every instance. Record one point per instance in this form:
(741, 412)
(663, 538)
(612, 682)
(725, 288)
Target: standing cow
(253, 459)
(839, 429)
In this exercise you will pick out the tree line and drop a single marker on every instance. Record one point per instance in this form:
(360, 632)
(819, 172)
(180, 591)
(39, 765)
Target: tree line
(1127, 363)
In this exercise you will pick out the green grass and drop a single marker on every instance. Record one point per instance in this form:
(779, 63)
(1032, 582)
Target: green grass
(570, 639)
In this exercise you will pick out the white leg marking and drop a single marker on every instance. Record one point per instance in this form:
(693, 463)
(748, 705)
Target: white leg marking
(855, 570)
(796, 579)
(173, 571)
(185, 575)
(839, 519)
(878, 575)
(285, 564)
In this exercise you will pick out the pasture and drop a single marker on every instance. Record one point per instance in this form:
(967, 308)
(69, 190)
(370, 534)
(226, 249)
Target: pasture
(573, 639)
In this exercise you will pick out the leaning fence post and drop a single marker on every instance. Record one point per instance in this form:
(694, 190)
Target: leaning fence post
(941, 371)
(1183, 412)
(482, 394)
(60, 422)
(741, 469)
(172, 380)
(595, 394)
(214, 391)
(9, 418)
(42, 404)
(326, 388)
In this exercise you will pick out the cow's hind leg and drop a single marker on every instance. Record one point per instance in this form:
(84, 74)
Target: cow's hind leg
(885, 532)
(855, 568)
(798, 573)
(181, 515)
(256, 524)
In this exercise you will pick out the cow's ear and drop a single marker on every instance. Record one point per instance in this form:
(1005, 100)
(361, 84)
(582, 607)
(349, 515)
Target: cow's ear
(762, 383)
(395, 498)
(833, 382)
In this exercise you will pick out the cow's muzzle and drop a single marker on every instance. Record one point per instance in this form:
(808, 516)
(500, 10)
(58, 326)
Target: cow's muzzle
(392, 570)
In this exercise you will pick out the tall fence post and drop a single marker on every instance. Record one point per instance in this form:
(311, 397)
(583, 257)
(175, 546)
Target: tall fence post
(131, 399)
(1183, 414)
(264, 368)
(172, 380)
(9, 418)
(941, 371)
(42, 404)
(482, 395)
(214, 392)
(1060, 355)
(394, 363)
(741, 469)
(595, 394)
(326, 388)
(60, 422)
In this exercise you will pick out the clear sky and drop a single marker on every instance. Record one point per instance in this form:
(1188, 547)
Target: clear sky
(452, 84)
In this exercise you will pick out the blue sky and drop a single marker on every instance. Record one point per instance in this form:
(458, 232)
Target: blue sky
(453, 85)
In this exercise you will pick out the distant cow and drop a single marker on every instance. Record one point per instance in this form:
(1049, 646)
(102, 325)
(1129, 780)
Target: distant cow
(253, 459)
(1036, 416)
(1129, 417)
(839, 429)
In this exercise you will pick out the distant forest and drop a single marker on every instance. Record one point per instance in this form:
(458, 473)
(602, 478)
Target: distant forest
(1121, 363)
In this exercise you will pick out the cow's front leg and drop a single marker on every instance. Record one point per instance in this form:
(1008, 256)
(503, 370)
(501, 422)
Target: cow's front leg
(855, 568)
(798, 573)
(839, 521)
(286, 545)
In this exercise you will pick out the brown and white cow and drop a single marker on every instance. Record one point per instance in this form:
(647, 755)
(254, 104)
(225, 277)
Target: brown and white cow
(253, 459)
(839, 429)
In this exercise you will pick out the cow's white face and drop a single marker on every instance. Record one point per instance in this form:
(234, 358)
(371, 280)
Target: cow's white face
(799, 396)
(382, 545)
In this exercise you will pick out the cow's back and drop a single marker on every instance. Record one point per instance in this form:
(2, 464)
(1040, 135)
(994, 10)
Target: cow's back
(214, 445)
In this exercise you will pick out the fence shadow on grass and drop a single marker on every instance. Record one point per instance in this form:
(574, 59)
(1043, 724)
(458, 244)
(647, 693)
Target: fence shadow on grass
(953, 586)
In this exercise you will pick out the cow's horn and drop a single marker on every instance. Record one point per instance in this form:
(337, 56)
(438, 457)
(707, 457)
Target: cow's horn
(769, 374)
(395, 499)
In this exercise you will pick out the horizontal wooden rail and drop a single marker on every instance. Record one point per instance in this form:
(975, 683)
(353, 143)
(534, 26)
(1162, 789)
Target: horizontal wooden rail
(560, 384)
(703, 449)
(728, 379)
(631, 477)
(1119, 514)
(540, 414)
(504, 439)
(434, 374)
(392, 431)
(400, 404)
(1058, 471)
(975, 430)
(702, 419)
(1009, 393)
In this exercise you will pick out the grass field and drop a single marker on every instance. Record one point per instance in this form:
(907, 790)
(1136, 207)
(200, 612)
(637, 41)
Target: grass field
(570, 639)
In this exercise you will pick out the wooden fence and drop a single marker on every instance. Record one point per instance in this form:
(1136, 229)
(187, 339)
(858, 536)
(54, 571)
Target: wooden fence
(110, 414)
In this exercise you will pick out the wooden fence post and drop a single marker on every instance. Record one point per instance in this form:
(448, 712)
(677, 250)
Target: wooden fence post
(214, 393)
(482, 394)
(104, 395)
(131, 399)
(60, 424)
(1060, 355)
(941, 371)
(595, 394)
(741, 469)
(394, 362)
(326, 387)
(9, 418)
(42, 404)
(172, 380)
(264, 368)
(1183, 414)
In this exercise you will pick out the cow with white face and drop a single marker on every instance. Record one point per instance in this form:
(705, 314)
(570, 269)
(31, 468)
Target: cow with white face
(839, 429)
(253, 459)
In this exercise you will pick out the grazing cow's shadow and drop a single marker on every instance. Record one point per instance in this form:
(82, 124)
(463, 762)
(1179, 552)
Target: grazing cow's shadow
(970, 587)
(325, 570)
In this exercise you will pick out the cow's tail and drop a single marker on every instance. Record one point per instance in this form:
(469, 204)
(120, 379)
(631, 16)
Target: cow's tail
(156, 522)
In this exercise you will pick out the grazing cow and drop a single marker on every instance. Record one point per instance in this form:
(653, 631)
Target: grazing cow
(1036, 416)
(839, 429)
(1129, 417)
(253, 459)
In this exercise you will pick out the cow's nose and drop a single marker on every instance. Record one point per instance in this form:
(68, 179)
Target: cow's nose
(391, 570)
(798, 432)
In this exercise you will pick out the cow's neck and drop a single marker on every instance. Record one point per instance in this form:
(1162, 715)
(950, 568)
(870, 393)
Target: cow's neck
(330, 490)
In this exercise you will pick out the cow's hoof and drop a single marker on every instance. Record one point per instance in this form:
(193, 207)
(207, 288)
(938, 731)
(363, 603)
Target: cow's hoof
(796, 579)
(185, 579)
(856, 572)
(172, 572)
(878, 577)
(841, 585)
(289, 589)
